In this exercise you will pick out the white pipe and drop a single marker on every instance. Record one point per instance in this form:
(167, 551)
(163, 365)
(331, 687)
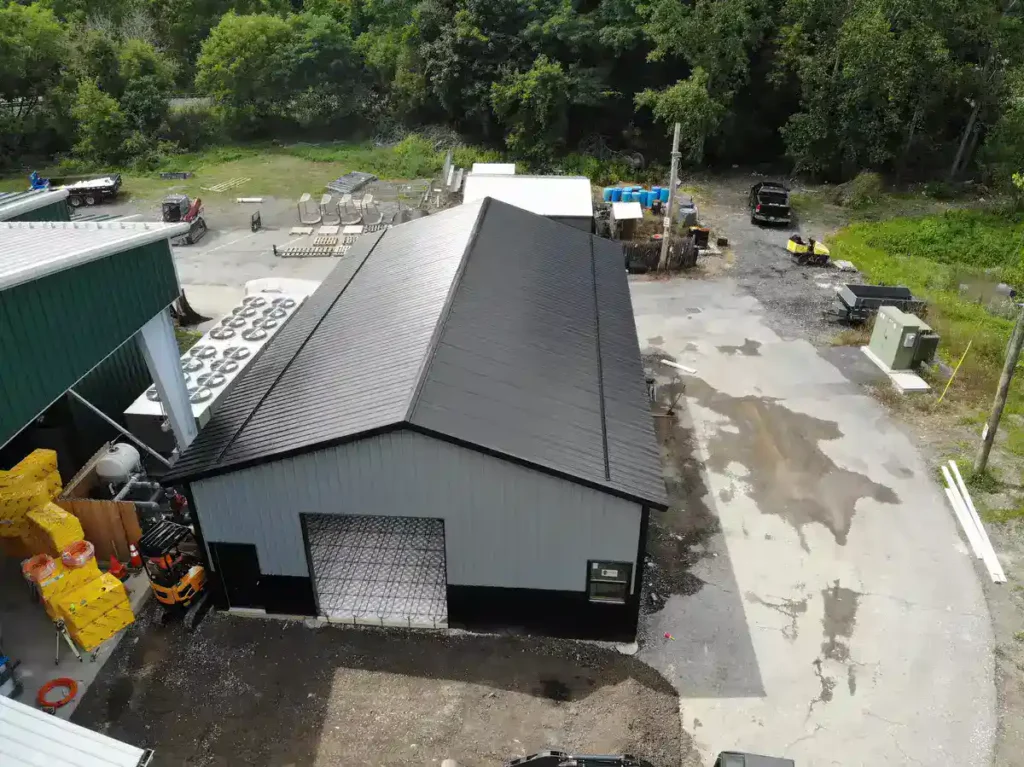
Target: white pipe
(988, 552)
(962, 515)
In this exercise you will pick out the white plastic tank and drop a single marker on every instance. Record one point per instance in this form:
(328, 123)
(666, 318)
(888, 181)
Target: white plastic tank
(118, 463)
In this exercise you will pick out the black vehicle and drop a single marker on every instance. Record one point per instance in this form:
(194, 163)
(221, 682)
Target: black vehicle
(769, 203)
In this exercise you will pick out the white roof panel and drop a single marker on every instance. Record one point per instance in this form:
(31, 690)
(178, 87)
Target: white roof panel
(625, 211)
(18, 203)
(567, 196)
(30, 250)
(495, 168)
(30, 738)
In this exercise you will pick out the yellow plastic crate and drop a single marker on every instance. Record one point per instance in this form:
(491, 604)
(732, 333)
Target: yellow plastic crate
(52, 529)
(64, 581)
(17, 500)
(84, 605)
(102, 628)
(16, 528)
(33, 467)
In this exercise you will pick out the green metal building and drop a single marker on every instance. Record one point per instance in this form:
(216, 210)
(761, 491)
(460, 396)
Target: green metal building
(73, 300)
(35, 206)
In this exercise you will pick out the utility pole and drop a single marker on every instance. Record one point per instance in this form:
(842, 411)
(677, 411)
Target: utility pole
(1012, 354)
(670, 213)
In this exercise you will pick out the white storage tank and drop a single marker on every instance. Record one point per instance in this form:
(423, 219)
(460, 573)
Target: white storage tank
(118, 463)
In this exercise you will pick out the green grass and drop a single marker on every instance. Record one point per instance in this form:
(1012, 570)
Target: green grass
(186, 339)
(932, 255)
(1001, 516)
(283, 171)
(807, 204)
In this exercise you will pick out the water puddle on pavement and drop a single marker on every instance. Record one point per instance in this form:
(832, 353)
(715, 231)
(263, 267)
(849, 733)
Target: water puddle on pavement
(789, 474)
(748, 349)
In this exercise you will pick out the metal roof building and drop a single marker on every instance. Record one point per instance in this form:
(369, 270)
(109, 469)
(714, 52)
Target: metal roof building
(81, 306)
(452, 430)
(566, 199)
(39, 205)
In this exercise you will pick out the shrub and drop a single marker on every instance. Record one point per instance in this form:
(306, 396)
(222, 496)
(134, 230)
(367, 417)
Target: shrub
(195, 127)
(866, 189)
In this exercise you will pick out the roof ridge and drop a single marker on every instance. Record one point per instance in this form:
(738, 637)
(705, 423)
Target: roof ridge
(442, 318)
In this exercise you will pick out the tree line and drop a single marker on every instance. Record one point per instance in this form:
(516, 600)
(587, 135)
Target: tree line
(827, 88)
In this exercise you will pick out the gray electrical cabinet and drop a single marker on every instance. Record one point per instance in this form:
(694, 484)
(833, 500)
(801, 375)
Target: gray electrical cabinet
(900, 340)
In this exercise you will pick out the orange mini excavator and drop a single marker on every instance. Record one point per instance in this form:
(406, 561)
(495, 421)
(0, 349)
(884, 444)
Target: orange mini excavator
(175, 570)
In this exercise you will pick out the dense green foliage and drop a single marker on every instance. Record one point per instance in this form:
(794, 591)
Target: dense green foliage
(924, 88)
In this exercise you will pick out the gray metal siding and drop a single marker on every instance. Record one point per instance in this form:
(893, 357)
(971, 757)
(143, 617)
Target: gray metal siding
(505, 525)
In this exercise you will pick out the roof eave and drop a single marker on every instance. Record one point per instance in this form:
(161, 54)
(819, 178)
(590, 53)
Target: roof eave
(87, 255)
(657, 502)
(32, 202)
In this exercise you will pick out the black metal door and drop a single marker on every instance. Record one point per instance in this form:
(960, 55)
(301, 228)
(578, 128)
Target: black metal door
(239, 570)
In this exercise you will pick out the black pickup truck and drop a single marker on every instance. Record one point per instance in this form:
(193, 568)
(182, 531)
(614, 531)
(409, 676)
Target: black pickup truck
(769, 203)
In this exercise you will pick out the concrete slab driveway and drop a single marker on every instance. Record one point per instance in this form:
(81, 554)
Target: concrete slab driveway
(829, 612)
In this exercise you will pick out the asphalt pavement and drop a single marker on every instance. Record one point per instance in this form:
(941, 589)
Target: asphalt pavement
(829, 611)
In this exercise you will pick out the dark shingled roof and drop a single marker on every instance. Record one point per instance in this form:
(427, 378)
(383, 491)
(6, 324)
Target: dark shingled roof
(484, 325)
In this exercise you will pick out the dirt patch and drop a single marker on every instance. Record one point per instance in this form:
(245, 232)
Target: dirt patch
(790, 475)
(251, 691)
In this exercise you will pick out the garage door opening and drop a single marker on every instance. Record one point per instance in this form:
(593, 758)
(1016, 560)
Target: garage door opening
(387, 571)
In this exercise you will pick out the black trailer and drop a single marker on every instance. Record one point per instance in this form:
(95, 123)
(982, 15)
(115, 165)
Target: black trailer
(89, 191)
(856, 303)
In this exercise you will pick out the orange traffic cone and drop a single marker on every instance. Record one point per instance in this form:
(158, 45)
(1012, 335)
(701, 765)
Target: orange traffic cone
(135, 562)
(117, 569)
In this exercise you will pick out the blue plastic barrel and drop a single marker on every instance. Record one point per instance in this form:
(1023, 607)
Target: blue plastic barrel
(634, 196)
(606, 195)
(664, 193)
(650, 199)
(616, 194)
(656, 191)
(643, 198)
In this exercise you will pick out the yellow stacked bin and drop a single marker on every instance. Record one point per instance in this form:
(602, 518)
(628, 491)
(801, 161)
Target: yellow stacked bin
(16, 501)
(96, 611)
(51, 529)
(64, 581)
(32, 483)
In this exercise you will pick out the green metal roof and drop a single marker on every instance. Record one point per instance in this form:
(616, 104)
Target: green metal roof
(70, 295)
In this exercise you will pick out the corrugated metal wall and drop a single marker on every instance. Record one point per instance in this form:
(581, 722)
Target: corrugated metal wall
(58, 211)
(111, 387)
(505, 525)
(54, 330)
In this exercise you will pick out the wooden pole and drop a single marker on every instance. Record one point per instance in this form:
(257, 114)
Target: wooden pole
(988, 436)
(670, 213)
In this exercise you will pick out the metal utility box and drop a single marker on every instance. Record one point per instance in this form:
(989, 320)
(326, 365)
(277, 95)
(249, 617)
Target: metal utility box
(900, 340)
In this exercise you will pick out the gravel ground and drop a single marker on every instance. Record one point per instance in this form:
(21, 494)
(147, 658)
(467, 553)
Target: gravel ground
(267, 692)
(794, 297)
